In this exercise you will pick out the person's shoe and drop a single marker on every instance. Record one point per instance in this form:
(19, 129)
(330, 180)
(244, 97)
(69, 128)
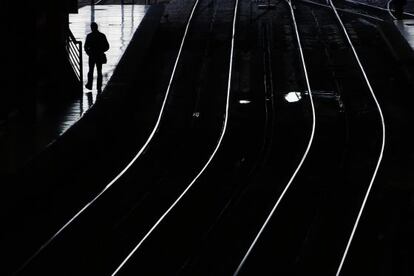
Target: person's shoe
(88, 86)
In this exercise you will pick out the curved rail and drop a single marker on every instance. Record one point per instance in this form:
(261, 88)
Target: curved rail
(342, 10)
(389, 10)
(209, 160)
(140, 152)
(303, 157)
(382, 144)
(377, 7)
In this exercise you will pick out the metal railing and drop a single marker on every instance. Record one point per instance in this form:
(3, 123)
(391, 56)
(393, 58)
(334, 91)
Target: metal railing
(74, 51)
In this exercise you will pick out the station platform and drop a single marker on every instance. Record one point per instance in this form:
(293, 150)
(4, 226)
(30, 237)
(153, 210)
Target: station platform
(19, 141)
(406, 28)
(118, 23)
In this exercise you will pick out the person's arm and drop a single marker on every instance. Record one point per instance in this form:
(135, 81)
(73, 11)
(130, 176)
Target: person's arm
(87, 45)
(106, 44)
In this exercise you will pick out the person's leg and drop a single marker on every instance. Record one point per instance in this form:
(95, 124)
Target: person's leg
(99, 78)
(91, 63)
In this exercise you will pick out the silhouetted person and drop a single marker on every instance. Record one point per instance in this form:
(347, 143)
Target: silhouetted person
(96, 45)
(399, 8)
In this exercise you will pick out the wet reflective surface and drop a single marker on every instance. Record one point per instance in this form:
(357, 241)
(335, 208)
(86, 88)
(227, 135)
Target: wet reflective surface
(118, 23)
(19, 141)
(406, 28)
(267, 132)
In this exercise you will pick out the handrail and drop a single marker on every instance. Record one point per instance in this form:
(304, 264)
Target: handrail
(74, 52)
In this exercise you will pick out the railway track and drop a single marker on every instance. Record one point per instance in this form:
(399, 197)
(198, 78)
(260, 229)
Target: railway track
(161, 219)
(370, 12)
(308, 216)
(272, 180)
(382, 232)
(165, 177)
(223, 217)
(285, 190)
(79, 184)
(386, 7)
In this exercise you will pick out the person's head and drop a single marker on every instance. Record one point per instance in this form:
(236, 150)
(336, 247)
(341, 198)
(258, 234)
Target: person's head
(94, 26)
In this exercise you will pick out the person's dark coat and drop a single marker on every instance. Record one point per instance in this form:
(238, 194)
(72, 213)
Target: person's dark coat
(96, 45)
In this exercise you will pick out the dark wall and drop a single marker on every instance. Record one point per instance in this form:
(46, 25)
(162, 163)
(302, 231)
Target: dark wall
(34, 56)
(19, 42)
(51, 29)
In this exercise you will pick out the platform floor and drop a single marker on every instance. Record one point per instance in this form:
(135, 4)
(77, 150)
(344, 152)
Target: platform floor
(118, 23)
(406, 27)
(18, 141)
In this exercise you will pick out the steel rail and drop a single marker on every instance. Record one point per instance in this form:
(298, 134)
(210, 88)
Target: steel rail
(342, 10)
(389, 10)
(269, 97)
(247, 254)
(382, 144)
(209, 160)
(140, 152)
(377, 7)
(268, 122)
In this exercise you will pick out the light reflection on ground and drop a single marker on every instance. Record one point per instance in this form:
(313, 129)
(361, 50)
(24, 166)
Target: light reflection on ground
(118, 23)
(293, 97)
(406, 28)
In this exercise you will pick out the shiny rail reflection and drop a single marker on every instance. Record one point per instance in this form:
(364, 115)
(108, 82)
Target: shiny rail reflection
(223, 132)
(381, 154)
(312, 135)
(119, 31)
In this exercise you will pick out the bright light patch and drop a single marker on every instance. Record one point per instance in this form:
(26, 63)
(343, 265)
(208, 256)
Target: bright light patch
(293, 97)
(244, 101)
